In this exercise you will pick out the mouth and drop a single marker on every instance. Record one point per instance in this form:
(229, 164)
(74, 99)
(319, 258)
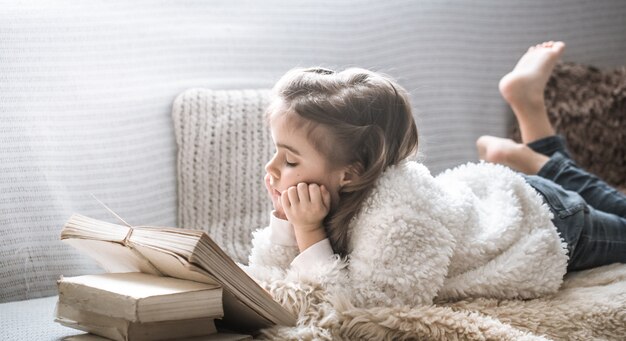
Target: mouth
(276, 192)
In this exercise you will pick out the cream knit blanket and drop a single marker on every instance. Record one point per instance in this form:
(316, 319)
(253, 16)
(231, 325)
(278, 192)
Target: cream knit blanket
(223, 145)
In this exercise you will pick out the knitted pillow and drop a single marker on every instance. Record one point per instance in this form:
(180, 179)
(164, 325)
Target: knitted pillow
(588, 107)
(223, 145)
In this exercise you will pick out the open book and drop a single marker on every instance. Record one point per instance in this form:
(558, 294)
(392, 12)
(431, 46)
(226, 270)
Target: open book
(180, 253)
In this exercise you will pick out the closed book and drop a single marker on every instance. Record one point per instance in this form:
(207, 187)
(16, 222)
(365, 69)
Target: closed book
(120, 329)
(139, 297)
(219, 336)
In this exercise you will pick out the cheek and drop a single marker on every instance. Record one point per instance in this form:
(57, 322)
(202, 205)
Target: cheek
(290, 177)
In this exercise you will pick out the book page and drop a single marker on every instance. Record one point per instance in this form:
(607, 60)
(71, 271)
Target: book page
(173, 265)
(209, 255)
(237, 314)
(113, 257)
(197, 248)
(138, 285)
(79, 226)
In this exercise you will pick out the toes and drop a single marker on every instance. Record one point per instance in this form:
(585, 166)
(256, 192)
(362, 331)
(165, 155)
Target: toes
(559, 45)
(556, 45)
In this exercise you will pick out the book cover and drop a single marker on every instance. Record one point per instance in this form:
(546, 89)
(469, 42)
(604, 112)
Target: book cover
(212, 337)
(139, 297)
(120, 329)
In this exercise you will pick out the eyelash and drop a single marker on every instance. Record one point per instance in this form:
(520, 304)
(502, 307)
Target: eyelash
(288, 164)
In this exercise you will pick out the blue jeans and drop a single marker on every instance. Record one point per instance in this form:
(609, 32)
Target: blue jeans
(589, 214)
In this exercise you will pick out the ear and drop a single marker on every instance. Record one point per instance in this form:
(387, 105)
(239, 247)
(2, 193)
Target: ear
(348, 175)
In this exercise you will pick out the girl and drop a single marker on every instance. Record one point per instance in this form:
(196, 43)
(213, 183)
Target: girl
(351, 212)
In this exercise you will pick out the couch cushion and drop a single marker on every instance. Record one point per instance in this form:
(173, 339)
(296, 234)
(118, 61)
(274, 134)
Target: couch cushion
(223, 145)
(32, 320)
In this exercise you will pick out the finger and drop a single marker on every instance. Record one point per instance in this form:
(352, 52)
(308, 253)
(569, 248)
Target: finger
(286, 205)
(280, 211)
(278, 205)
(284, 200)
(303, 192)
(315, 194)
(292, 192)
(325, 197)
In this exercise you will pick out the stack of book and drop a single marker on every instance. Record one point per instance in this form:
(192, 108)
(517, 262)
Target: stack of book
(161, 284)
(137, 306)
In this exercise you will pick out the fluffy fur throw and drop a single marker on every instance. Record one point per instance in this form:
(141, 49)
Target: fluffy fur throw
(591, 305)
(478, 230)
(588, 107)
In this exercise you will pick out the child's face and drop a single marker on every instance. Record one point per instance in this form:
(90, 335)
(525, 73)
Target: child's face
(297, 160)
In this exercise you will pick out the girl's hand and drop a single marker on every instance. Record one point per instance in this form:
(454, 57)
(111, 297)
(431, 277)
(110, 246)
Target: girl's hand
(306, 206)
(278, 208)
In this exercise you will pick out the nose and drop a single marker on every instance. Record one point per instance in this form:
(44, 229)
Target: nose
(271, 169)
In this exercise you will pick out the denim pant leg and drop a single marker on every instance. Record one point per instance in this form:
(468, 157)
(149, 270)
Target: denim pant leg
(593, 237)
(562, 170)
(589, 214)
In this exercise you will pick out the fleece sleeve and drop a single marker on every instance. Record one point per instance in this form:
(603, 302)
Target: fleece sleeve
(316, 254)
(273, 249)
(399, 258)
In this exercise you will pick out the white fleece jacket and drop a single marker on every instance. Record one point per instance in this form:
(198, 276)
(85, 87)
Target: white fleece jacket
(478, 230)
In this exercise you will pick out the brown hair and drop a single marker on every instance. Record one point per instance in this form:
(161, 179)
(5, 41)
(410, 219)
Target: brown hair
(368, 124)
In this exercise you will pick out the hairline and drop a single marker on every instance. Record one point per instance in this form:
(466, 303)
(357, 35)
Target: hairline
(312, 128)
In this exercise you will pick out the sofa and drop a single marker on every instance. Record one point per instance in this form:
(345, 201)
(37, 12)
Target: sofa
(87, 88)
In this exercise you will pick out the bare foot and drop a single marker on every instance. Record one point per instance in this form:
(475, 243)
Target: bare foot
(511, 154)
(525, 85)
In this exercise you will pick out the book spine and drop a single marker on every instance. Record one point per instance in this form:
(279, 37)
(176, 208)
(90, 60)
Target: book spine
(98, 301)
(122, 330)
